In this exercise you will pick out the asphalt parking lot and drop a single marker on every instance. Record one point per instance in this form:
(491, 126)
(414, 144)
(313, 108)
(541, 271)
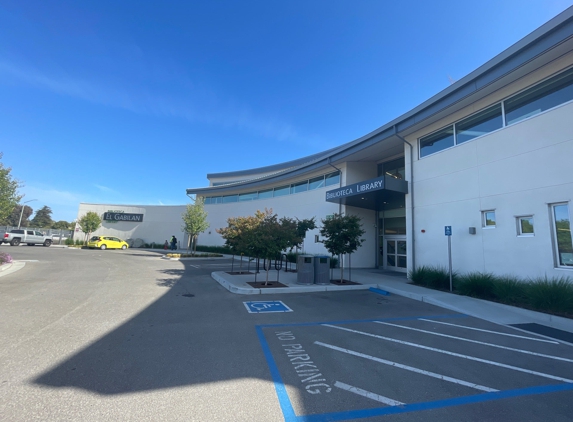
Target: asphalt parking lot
(124, 335)
(345, 370)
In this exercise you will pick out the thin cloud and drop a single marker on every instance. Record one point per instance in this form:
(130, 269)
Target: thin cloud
(105, 188)
(230, 115)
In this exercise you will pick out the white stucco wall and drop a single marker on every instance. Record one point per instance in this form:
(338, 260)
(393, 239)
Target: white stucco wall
(159, 223)
(300, 205)
(516, 171)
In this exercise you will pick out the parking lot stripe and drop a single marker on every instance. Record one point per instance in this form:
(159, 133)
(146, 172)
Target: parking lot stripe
(367, 394)
(282, 395)
(477, 342)
(488, 331)
(407, 368)
(433, 349)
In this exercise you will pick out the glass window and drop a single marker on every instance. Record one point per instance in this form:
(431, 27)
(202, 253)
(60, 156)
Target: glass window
(488, 219)
(230, 198)
(299, 187)
(541, 97)
(264, 194)
(437, 141)
(525, 226)
(479, 124)
(207, 200)
(332, 179)
(395, 225)
(283, 190)
(394, 168)
(562, 233)
(316, 183)
(248, 196)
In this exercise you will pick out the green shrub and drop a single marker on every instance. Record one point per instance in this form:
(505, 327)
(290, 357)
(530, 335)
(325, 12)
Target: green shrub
(433, 277)
(291, 257)
(69, 241)
(477, 284)
(215, 249)
(551, 294)
(510, 290)
(333, 262)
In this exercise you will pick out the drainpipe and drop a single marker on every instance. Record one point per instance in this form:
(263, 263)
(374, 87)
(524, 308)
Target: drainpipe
(339, 204)
(411, 194)
(339, 183)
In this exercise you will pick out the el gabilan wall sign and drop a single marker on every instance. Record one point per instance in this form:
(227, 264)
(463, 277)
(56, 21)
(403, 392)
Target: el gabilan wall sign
(121, 216)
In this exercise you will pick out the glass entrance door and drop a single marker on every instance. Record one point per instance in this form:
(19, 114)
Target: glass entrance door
(394, 254)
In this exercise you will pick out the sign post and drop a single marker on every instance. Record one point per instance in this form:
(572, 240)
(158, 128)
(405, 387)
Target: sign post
(448, 232)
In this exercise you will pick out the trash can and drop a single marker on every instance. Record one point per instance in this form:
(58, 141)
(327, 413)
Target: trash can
(321, 270)
(305, 269)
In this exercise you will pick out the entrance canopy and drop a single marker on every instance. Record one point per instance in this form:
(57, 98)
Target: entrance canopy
(370, 194)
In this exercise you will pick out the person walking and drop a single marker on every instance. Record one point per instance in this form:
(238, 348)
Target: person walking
(173, 243)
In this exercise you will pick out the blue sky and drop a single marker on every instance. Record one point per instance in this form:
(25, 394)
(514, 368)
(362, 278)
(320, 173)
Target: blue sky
(132, 102)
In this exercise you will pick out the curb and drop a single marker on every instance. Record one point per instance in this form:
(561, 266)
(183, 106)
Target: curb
(295, 289)
(14, 266)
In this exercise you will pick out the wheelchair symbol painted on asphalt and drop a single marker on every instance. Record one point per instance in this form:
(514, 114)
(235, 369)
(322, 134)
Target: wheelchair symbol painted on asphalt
(258, 307)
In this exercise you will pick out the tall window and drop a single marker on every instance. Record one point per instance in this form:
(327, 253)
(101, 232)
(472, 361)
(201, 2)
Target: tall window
(394, 168)
(550, 93)
(541, 97)
(562, 235)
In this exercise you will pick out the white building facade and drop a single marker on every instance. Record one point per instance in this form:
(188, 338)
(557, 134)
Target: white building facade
(491, 156)
(149, 223)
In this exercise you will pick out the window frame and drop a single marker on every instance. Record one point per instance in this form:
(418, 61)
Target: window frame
(555, 240)
(520, 232)
(484, 224)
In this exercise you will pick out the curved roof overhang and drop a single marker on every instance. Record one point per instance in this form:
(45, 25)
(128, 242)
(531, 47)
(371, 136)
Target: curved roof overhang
(544, 45)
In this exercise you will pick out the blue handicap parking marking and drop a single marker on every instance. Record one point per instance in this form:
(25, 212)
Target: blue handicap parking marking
(294, 360)
(258, 307)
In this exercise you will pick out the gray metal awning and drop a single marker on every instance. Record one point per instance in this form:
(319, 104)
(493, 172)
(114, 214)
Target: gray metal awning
(370, 194)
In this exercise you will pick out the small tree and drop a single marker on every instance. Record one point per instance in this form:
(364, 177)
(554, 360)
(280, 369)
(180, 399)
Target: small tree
(342, 236)
(43, 218)
(195, 221)
(262, 235)
(239, 232)
(9, 197)
(271, 237)
(89, 223)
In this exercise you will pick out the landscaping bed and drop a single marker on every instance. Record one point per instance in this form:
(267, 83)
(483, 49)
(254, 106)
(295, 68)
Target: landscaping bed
(552, 295)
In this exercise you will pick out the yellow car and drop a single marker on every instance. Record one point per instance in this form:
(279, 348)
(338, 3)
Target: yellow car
(107, 242)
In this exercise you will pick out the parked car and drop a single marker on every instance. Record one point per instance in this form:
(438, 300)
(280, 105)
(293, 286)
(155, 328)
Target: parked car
(30, 237)
(107, 242)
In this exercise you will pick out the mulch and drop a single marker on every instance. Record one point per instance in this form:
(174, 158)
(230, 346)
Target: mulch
(269, 285)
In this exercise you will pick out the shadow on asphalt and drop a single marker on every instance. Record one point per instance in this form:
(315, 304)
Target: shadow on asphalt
(177, 340)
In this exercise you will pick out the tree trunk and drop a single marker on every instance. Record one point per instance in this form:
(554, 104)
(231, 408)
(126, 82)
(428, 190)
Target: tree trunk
(188, 243)
(194, 245)
(341, 269)
(268, 269)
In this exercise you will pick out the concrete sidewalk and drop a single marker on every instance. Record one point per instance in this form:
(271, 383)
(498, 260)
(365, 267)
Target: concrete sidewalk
(396, 283)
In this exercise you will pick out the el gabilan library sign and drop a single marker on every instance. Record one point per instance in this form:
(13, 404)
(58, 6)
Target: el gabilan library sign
(114, 216)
